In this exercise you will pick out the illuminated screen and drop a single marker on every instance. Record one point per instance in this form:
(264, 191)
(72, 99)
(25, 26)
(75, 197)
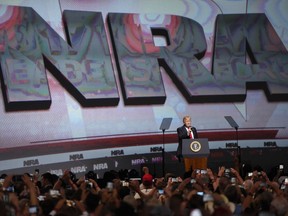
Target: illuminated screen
(74, 70)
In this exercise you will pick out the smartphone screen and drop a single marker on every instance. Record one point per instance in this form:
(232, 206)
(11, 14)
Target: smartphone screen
(110, 186)
(203, 171)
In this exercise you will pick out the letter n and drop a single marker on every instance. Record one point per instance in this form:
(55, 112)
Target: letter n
(82, 65)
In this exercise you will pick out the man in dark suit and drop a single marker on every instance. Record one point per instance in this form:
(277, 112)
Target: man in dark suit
(186, 131)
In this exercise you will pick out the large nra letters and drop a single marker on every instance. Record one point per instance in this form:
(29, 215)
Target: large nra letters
(84, 67)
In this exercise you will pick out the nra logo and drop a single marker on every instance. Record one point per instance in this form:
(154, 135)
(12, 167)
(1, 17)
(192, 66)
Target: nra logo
(270, 144)
(83, 65)
(138, 161)
(31, 162)
(75, 157)
(78, 169)
(117, 152)
(232, 145)
(156, 160)
(156, 149)
(58, 172)
(100, 166)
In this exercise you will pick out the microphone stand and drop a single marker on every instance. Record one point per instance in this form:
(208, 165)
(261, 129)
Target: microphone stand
(234, 125)
(163, 154)
(164, 125)
(238, 150)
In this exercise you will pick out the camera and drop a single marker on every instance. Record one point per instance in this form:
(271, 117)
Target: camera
(89, 184)
(41, 198)
(174, 180)
(70, 203)
(207, 198)
(233, 180)
(125, 183)
(33, 209)
(109, 186)
(227, 173)
(90, 175)
(160, 191)
(203, 171)
(281, 167)
(192, 181)
(227, 170)
(54, 193)
(10, 189)
(200, 193)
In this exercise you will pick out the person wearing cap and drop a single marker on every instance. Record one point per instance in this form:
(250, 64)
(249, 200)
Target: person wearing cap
(147, 185)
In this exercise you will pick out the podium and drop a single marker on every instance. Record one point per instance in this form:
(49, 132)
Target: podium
(195, 153)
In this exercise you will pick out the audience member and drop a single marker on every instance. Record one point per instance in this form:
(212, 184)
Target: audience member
(201, 192)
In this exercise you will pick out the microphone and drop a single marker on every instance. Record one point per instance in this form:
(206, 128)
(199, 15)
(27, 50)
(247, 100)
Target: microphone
(189, 129)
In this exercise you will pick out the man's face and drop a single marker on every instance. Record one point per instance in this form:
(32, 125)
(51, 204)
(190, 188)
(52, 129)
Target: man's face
(187, 122)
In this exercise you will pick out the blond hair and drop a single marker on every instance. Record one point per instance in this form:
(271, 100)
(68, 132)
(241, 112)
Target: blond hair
(186, 118)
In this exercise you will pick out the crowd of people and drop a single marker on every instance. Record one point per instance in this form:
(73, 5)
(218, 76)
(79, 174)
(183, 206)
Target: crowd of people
(126, 192)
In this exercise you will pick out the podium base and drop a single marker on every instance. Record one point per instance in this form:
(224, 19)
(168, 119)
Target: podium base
(195, 163)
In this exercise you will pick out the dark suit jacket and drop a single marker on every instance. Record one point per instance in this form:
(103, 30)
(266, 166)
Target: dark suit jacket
(182, 134)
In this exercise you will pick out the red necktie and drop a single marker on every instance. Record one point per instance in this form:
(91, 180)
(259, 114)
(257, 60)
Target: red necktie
(190, 135)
